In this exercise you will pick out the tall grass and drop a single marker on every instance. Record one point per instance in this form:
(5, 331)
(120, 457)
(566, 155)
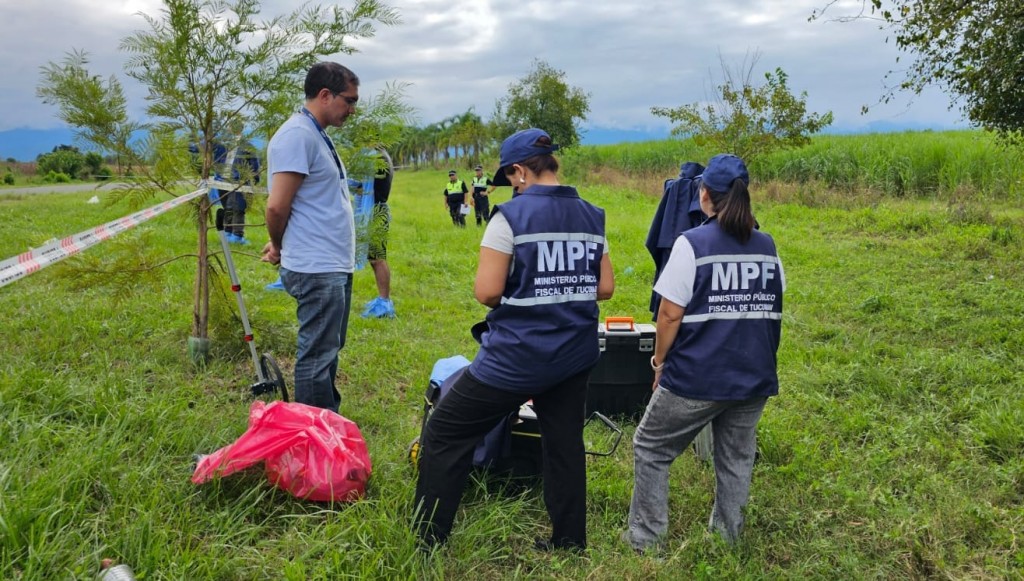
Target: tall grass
(912, 164)
(903, 164)
(632, 159)
(894, 450)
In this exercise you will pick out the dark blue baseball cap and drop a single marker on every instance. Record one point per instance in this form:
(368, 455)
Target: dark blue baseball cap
(519, 147)
(722, 170)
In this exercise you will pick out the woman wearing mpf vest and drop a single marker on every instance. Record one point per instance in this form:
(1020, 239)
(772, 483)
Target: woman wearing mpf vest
(714, 359)
(543, 267)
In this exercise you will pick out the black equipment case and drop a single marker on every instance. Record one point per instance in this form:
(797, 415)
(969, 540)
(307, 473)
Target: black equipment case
(620, 383)
(513, 448)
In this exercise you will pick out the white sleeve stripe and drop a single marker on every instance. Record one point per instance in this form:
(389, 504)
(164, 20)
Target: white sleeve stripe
(553, 236)
(551, 300)
(711, 316)
(737, 258)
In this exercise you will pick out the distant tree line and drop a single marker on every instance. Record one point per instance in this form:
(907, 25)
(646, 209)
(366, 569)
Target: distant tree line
(63, 164)
(541, 99)
(459, 139)
(67, 162)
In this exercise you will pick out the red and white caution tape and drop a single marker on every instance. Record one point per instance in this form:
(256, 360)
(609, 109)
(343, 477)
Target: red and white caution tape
(37, 259)
(229, 187)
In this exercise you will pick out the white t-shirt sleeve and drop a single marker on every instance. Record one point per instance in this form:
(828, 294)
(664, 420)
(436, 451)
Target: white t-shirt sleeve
(676, 280)
(498, 235)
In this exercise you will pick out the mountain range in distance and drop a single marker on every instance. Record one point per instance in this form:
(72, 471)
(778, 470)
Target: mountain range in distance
(27, 144)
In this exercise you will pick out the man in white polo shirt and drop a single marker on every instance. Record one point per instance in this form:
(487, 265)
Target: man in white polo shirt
(312, 233)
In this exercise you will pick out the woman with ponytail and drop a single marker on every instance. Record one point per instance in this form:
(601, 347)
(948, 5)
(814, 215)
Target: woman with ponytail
(714, 359)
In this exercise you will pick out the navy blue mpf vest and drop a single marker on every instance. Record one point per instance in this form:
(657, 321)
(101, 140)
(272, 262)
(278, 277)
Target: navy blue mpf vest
(727, 342)
(545, 329)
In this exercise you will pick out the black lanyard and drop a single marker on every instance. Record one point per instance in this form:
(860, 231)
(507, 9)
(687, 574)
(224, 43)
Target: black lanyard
(327, 140)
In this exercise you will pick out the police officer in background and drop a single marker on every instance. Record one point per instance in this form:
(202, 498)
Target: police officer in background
(543, 266)
(455, 197)
(714, 361)
(482, 187)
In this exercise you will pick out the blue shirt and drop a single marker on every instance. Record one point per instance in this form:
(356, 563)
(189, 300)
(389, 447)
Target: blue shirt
(320, 235)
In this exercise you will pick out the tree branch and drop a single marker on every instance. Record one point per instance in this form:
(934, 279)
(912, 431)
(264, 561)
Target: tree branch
(149, 268)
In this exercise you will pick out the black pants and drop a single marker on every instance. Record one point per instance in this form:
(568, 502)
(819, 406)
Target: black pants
(455, 209)
(483, 208)
(470, 410)
(234, 212)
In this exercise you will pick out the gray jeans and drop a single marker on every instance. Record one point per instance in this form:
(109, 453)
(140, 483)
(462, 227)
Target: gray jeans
(667, 428)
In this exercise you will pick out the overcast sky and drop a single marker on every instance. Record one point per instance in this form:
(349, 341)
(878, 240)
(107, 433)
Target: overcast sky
(457, 54)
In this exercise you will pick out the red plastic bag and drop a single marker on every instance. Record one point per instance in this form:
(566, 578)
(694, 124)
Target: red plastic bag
(312, 453)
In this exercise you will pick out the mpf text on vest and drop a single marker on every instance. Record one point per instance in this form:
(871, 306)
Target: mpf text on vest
(572, 284)
(729, 277)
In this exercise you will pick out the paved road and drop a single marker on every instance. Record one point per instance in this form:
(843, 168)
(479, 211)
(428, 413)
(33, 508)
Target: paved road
(61, 188)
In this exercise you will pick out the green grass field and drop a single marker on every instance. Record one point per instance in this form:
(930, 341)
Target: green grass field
(894, 450)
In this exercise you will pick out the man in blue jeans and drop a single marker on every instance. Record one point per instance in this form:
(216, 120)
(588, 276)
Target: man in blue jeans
(312, 230)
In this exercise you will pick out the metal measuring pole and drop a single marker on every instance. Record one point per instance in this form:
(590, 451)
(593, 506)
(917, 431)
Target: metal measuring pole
(236, 287)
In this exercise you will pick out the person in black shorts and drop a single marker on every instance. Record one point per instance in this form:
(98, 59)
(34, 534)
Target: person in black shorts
(380, 223)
